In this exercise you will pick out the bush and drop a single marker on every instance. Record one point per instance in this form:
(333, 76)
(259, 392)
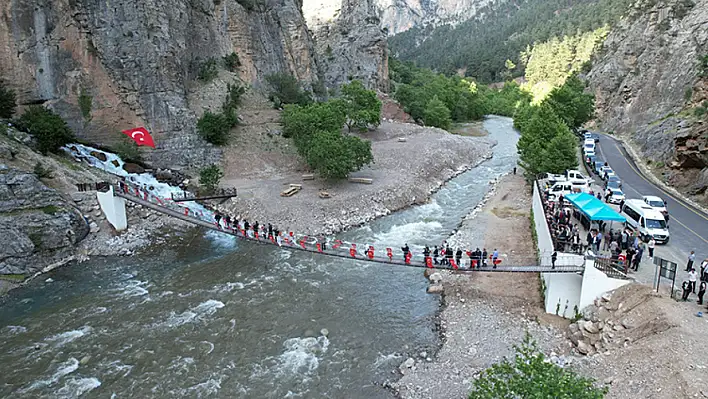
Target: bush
(231, 62)
(48, 128)
(8, 102)
(42, 172)
(529, 375)
(208, 70)
(437, 114)
(210, 177)
(233, 96)
(127, 150)
(285, 89)
(214, 127)
(699, 112)
(703, 66)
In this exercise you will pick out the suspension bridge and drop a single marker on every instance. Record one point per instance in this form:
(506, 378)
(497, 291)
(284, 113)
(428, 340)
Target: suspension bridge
(333, 247)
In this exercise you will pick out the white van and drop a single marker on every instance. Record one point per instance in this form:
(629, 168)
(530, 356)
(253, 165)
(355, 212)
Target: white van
(646, 220)
(566, 187)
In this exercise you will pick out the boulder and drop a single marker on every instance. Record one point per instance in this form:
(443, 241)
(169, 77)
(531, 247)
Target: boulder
(133, 168)
(591, 327)
(435, 289)
(584, 347)
(99, 155)
(428, 272)
(603, 313)
(606, 297)
(405, 366)
(435, 278)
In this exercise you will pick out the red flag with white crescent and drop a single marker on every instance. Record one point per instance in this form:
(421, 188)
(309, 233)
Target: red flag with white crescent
(141, 136)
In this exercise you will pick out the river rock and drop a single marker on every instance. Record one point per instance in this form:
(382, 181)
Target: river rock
(436, 289)
(93, 228)
(84, 360)
(584, 348)
(435, 278)
(133, 168)
(405, 366)
(324, 332)
(99, 155)
(591, 327)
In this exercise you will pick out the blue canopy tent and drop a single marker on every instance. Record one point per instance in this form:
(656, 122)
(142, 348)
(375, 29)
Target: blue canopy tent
(593, 208)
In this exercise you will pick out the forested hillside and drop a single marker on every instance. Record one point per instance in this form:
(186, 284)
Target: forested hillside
(504, 31)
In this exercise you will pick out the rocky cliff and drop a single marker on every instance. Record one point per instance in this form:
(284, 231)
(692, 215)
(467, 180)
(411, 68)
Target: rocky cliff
(400, 15)
(648, 86)
(350, 41)
(137, 60)
(38, 226)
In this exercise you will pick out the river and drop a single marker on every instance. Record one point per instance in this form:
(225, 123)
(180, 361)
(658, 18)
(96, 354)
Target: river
(221, 318)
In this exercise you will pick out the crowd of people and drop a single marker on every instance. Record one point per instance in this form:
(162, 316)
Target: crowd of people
(694, 277)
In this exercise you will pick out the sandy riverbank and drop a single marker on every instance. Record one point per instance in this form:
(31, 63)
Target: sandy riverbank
(403, 173)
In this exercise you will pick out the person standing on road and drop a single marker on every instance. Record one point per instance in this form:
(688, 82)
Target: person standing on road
(701, 292)
(704, 270)
(691, 258)
(624, 238)
(686, 290)
(638, 257)
(650, 246)
(692, 277)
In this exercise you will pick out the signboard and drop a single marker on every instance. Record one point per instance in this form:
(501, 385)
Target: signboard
(667, 270)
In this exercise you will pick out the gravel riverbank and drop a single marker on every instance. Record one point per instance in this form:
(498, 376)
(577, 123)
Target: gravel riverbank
(485, 314)
(404, 173)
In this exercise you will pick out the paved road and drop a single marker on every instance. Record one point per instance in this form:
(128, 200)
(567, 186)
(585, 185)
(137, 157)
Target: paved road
(688, 226)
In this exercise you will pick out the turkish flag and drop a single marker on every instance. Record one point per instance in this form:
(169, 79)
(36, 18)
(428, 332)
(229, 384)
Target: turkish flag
(141, 136)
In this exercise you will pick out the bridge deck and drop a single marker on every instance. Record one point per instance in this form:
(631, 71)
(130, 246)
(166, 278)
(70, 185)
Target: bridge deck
(344, 253)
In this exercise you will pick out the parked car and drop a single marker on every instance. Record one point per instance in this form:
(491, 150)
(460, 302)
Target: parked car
(614, 179)
(613, 185)
(607, 173)
(599, 164)
(658, 204)
(617, 196)
(588, 153)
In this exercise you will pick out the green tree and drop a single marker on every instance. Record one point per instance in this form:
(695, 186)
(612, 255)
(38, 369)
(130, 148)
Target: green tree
(285, 89)
(302, 121)
(539, 130)
(437, 114)
(571, 103)
(209, 178)
(334, 155)
(529, 375)
(361, 106)
(8, 102)
(208, 70)
(47, 127)
(214, 127)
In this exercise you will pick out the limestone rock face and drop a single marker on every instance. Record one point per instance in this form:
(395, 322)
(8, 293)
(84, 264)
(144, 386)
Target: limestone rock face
(400, 15)
(350, 41)
(38, 227)
(647, 84)
(139, 59)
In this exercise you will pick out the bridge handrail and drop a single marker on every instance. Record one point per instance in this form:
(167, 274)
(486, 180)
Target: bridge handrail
(169, 208)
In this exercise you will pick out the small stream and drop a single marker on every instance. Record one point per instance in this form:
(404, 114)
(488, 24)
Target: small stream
(221, 318)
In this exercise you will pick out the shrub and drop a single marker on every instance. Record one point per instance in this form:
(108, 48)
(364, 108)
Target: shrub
(214, 127)
(688, 94)
(699, 112)
(127, 150)
(7, 101)
(233, 96)
(208, 70)
(231, 62)
(48, 128)
(85, 104)
(42, 172)
(529, 375)
(437, 114)
(703, 66)
(209, 178)
(285, 89)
